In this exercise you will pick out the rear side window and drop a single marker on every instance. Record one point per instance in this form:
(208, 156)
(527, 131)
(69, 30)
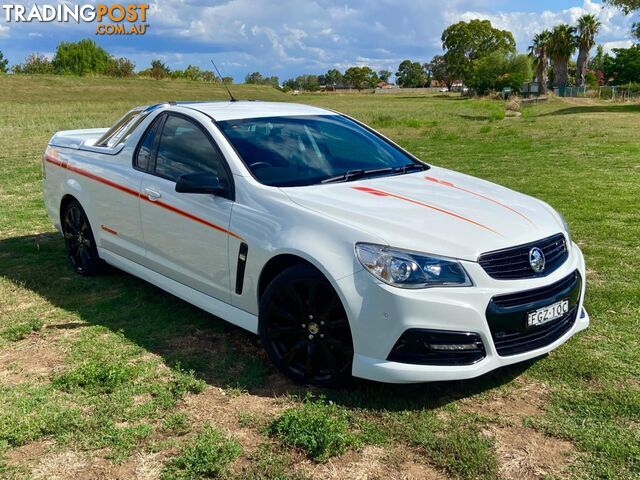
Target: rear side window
(123, 128)
(185, 148)
(144, 154)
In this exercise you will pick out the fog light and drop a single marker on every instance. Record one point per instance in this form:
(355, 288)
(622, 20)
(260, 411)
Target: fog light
(453, 346)
(421, 346)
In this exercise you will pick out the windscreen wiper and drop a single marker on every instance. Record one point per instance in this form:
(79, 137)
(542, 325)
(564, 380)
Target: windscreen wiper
(359, 173)
(410, 166)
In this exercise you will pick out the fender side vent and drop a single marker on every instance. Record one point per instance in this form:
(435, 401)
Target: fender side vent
(242, 262)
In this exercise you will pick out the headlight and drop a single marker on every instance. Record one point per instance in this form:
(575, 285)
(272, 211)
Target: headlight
(405, 269)
(566, 228)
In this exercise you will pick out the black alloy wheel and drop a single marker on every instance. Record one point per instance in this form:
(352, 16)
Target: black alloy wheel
(79, 240)
(305, 329)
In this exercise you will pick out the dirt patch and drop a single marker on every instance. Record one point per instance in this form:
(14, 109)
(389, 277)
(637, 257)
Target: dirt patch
(373, 462)
(523, 453)
(526, 454)
(511, 406)
(35, 359)
(28, 454)
(79, 466)
(223, 410)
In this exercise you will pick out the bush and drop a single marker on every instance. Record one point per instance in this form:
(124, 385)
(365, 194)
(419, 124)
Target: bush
(319, 428)
(591, 80)
(209, 456)
(499, 70)
(120, 68)
(34, 64)
(80, 58)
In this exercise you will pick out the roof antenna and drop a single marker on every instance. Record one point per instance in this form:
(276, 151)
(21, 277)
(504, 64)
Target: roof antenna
(233, 99)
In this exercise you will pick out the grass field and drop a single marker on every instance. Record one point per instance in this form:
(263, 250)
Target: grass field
(109, 377)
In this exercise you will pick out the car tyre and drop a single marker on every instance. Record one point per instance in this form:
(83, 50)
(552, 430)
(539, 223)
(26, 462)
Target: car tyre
(79, 240)
(304, 328)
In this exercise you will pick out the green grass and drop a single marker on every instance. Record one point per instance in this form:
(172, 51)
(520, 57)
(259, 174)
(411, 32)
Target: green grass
(208, 456)
(321, 429)
(110, 366)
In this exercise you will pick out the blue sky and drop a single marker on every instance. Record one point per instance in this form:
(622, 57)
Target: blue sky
(290, 37)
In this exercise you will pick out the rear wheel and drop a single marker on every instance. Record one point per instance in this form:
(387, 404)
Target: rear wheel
(79, 240)
(304, 328)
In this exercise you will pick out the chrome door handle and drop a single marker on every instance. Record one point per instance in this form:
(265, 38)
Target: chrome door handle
(152, 194)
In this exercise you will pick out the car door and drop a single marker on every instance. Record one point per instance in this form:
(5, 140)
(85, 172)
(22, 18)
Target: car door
(186, 235)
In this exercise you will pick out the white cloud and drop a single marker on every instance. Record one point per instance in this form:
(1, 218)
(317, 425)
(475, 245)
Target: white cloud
(290, 37)
(524, 24)
(608, 46)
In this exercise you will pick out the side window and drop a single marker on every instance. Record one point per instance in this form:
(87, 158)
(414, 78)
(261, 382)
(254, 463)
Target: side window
(185, 148)
(144, 153)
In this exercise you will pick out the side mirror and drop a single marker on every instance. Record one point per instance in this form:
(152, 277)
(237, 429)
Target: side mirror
(200, 183)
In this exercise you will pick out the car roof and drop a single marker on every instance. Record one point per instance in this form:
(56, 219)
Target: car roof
(221, 111)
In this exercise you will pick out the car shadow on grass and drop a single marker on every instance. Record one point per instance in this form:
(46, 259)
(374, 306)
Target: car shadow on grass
(188, 338)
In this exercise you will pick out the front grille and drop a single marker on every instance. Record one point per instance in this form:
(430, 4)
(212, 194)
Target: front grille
(507, 316)
(542, 293)
(513, 263)
(421, 346)
(512, 343)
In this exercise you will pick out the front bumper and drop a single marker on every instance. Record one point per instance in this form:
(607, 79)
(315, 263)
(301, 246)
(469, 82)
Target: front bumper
(379, 314)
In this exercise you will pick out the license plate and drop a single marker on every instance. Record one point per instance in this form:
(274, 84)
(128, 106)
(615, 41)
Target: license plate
(547, 314)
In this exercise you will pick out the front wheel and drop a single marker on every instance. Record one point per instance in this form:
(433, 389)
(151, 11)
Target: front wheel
(79, 240)
(305, 329)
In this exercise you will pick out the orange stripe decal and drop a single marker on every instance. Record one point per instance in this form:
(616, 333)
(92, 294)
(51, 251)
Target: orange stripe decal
(381, 193)
(451, 185)
(63, 164)
(108, 230)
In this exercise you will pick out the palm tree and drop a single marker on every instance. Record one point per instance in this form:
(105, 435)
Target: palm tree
(588, 26)
(539, 52)
(562, 44)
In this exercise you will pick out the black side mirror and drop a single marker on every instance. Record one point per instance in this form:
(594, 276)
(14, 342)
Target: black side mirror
(200, 183)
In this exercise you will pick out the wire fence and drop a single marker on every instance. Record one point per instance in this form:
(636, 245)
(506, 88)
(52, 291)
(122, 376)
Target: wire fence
(619, 93)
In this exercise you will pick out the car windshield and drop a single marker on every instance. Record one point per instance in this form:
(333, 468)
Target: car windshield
(307, 150)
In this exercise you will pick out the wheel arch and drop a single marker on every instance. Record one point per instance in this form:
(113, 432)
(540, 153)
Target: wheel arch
(66, 199)
(279, 263)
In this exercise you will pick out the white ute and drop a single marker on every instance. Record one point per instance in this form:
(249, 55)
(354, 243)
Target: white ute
(347, 254)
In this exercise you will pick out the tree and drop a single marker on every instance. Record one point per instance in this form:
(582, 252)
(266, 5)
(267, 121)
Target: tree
(597, 62)
(411, 74)
(35, 64)
(255, 78)
(80, 58)
(624, 67)
(3, 64)
(539, 53)
(562, 44)
(158, 70)
(310, 83)
(360, 77)
(441, 71)
(588, 26)
(627, 6)
(384, 75)
(120, 67)
(465, 42)
(498, 70)
(332, 77)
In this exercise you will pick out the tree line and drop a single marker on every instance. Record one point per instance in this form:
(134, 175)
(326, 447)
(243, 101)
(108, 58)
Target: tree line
(475, 53)
(85, 57)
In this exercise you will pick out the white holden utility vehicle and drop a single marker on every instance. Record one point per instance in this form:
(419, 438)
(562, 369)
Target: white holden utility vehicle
(344, 252)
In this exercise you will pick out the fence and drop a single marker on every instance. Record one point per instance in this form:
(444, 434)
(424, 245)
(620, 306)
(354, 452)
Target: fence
(619, 93)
